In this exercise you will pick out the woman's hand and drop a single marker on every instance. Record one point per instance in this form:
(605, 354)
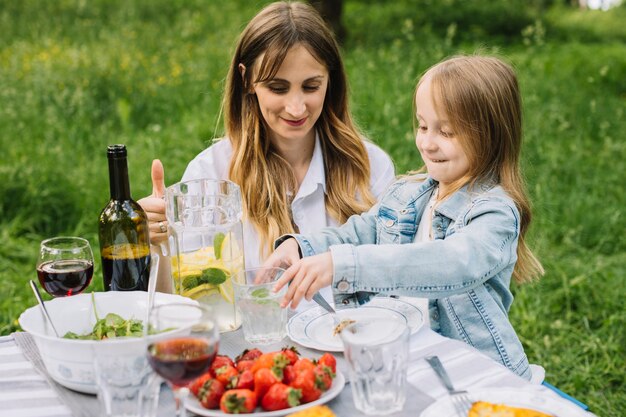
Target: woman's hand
(154, 205)
(307, 276)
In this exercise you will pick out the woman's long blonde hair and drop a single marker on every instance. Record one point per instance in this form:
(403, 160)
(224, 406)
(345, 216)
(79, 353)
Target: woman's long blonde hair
(264, 176)
(481, 99)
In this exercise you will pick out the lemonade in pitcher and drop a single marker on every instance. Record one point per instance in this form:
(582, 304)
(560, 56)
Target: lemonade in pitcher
(206, 241)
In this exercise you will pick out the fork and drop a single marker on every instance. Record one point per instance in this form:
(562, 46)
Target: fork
(459, 398)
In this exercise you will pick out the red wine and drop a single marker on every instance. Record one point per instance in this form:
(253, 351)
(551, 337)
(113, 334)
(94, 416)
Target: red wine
(126, 267)
(182, 360)
(65, 277)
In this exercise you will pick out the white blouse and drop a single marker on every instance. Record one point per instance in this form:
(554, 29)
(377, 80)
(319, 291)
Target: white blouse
(309, 211)
(424, 235)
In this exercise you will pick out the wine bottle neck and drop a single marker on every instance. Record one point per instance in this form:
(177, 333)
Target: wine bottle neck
(118, 178)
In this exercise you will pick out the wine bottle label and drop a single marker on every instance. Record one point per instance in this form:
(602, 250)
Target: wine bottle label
(125, 251)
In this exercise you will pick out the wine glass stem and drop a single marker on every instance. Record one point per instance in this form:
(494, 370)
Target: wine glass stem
(180, 396)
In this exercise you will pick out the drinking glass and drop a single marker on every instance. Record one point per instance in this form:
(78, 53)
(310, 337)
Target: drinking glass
(263, 320)
(65, 265)
(127, 385)
(189, 353)
(377, 353)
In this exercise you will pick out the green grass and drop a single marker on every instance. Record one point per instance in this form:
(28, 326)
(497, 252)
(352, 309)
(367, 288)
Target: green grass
(76, 76)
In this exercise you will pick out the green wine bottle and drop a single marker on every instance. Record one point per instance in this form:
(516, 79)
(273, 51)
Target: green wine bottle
(123, 231)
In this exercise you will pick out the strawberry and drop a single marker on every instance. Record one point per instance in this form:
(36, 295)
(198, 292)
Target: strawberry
(263, 379)
(289, 374)
(303, 363)
(195, 385)
(219, 361)
(276, 361)
(266, 360)
(249, 355)
(210, 393)
(328, 360)
(291, 354)
(238, 401)
(305, 382)
(226, 374)
(244, 365)
(323, 377)
(245, 380)
(281, 396)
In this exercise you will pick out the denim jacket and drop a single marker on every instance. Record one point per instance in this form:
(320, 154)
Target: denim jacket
(465, 271)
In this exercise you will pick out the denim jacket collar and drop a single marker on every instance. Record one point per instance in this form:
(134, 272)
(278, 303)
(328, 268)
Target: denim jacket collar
(453, 206)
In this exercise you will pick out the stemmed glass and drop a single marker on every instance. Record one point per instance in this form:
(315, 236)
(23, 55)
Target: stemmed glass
(65, 265)
(189, 352)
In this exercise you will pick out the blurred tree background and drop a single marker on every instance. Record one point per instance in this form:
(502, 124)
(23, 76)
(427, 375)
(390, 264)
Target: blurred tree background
(78, 75)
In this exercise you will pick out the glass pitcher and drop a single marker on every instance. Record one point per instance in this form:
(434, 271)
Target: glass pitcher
(206, 244)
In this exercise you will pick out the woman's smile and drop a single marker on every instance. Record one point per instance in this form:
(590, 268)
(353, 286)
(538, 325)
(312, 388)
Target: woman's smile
(292, 101)
(296, 123)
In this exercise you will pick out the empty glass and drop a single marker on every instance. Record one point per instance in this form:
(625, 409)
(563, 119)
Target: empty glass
(263, 320)
(377, 353)
(127, 385)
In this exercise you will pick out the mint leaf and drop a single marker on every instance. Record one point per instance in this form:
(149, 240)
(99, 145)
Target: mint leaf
(213, 276)
(260, 293)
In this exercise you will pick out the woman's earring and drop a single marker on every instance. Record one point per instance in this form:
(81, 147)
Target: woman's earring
(242, 71)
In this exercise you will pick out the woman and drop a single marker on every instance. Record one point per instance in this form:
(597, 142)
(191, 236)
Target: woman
(291, 144)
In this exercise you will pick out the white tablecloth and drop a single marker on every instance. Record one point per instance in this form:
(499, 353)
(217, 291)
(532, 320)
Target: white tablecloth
(27, 391)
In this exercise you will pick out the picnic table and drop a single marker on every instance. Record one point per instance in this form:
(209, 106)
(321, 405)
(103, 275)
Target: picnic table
(26, 390)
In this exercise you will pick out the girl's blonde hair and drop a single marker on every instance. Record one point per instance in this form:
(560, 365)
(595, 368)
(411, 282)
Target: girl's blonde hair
(481, 99)
(265, 178)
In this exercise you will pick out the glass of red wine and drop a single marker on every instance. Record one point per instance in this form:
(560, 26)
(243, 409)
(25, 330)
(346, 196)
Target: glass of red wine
(65, 265)
(189, 352)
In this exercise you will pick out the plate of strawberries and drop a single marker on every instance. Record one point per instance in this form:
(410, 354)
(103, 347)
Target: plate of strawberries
(267, 384)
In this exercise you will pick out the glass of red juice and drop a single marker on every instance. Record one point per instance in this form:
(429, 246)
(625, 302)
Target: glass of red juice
(65, 265)
(189, 353)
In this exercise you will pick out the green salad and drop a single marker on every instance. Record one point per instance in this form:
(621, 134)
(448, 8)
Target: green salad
(111, 326)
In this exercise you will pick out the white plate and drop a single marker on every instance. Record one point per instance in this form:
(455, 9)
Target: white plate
(313, 328)
(539, 400)
(192, 403)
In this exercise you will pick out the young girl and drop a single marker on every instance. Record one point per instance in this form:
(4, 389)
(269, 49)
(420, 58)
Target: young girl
(291, 144)
(455, 235)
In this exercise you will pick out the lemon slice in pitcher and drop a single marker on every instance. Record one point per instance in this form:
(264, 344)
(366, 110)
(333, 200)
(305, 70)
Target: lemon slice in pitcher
(229, 249)
(200, 291)
(227, 292)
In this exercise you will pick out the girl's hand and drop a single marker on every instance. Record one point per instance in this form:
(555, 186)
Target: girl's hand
(285, 255)
(154, 205)
(307, 276)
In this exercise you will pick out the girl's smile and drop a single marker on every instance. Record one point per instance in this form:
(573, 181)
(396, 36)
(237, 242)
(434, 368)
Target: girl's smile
(439, 147)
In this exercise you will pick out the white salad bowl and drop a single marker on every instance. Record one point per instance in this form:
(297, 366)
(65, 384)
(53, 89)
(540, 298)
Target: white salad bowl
(70, 361)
